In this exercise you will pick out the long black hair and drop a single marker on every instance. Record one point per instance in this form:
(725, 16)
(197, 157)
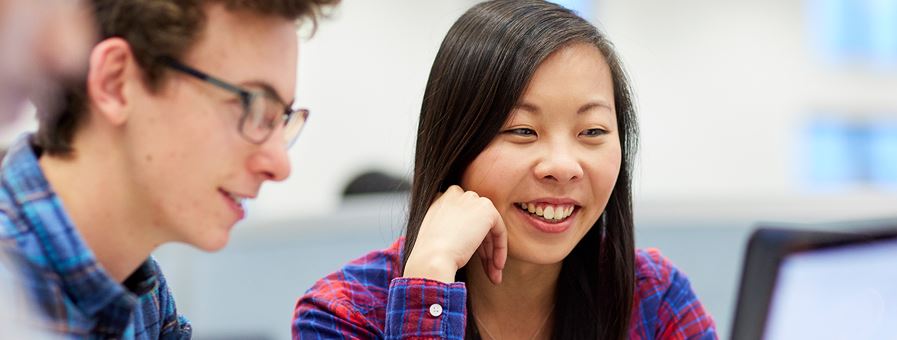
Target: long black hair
(480, 72)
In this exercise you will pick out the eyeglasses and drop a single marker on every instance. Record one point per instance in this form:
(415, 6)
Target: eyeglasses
(263, 110)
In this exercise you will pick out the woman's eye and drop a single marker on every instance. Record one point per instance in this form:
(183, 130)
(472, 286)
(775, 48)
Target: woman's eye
(594, 132)
(522, 132)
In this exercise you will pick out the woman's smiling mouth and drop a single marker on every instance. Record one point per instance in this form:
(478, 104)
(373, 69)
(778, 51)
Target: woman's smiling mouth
(550, 213)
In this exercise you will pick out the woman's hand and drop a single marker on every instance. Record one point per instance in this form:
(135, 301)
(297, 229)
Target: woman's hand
(458, 224)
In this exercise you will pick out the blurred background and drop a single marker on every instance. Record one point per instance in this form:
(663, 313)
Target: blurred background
(751, 111)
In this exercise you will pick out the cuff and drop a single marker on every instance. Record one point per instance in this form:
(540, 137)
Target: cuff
(424, 309)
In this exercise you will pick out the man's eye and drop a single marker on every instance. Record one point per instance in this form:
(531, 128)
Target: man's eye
(266, 119)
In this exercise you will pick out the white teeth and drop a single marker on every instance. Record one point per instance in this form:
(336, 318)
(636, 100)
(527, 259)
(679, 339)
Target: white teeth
(548, 212)
(237, 199)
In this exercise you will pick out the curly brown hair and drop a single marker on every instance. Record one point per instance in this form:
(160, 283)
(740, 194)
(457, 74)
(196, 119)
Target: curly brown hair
(152, 28)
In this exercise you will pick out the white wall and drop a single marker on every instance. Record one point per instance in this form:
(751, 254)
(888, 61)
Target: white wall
(722, 86)
(723, 89)
(363, 76)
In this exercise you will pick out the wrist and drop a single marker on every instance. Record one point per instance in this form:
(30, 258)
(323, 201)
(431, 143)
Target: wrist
(431, 268)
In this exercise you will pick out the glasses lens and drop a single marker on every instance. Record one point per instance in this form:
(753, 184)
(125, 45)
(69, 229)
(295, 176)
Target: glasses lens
(265, 114)
(260, 118)
(294, 125)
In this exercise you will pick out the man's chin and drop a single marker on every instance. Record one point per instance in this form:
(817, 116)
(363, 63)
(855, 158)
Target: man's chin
(212, 243)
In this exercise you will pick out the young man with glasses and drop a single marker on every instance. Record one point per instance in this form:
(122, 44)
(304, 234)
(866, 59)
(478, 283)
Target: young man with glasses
(185, 111)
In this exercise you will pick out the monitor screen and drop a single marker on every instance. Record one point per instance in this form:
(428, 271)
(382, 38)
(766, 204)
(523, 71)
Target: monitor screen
(843, 292)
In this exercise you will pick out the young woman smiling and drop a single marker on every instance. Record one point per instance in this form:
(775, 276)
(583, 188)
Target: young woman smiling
(520, 224)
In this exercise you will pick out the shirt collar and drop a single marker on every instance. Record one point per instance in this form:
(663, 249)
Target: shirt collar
(82, 278)
(22, 174)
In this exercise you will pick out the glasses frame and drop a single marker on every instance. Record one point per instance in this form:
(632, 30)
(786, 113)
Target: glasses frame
(246, 99)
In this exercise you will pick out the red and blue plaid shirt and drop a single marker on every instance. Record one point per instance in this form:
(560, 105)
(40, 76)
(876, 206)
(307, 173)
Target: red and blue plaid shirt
(368, 300)
(68, 288)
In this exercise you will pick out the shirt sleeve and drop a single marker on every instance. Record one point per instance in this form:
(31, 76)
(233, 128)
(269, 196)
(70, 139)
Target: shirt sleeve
(426, 309)
(415, 309)
(680, 314)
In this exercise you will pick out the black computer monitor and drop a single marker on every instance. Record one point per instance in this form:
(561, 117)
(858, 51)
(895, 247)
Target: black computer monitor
(795, 279)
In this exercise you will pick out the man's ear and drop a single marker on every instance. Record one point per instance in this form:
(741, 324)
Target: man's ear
(112, 65)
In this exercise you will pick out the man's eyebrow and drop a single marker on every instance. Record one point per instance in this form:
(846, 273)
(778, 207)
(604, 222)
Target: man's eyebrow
(268, 89)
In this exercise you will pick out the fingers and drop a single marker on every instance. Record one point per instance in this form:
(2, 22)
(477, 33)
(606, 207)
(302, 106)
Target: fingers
(471, 224)
(498, 240)
(495, 244)
(486, 264)
(499, 236)
(487, 247)
(490, 270)
(496, 247)
(495, 277)
(485, 254)
(452, 190)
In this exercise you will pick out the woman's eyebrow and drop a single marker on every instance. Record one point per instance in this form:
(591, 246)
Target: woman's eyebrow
(592, 105)
(527, 107)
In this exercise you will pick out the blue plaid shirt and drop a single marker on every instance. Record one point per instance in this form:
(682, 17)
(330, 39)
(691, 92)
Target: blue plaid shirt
(74, 294)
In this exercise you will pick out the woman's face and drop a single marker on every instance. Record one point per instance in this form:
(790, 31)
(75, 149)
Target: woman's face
(553, 165)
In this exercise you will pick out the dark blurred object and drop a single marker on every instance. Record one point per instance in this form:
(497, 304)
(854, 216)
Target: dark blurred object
(374, 182)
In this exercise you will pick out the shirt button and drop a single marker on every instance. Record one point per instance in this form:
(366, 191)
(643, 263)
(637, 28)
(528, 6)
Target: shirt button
(435, 310)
